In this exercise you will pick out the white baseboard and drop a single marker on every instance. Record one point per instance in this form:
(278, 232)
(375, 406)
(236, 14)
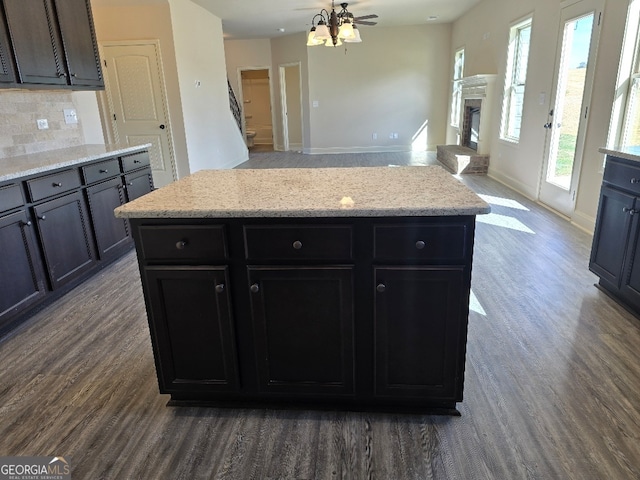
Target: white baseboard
(514, 184)
(378, 149)
(584, 222)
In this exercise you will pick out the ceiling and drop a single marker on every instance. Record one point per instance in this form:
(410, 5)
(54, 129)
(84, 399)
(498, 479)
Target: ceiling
(244, 19)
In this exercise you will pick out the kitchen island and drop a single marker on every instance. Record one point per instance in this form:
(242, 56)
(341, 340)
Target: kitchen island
(338, 287)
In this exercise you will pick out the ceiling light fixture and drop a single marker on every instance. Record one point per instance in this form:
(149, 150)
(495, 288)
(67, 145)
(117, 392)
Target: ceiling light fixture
(334, 28)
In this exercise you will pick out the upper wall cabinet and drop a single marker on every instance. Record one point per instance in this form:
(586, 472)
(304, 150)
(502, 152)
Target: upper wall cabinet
(7, 64)
(54, 43)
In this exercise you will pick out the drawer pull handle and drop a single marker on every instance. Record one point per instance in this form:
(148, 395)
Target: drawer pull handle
(255, 288)
(297, 244)
(136, 161)
(42, 217)
(220, 288)
(181, 245)
(420, 244)
(104, 171)
(635, 180)
(56, 184)
(26, 224)
(381, 288)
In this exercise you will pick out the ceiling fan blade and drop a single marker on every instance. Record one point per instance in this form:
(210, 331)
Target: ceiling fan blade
(366, 17)
(360, 22)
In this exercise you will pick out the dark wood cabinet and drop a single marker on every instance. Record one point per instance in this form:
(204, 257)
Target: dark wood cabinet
(377, 319)
(58, 227)
(138, 184)
(303, 328)
(194, 332)
(418, 317)
(22, 279)
(67, 238)
(112, 234)
(616, 239)
(7, 62)
(54, 43)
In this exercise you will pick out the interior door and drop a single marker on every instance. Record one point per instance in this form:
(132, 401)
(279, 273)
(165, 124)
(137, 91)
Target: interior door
(567, 122)
(291, 106)
(136, 100)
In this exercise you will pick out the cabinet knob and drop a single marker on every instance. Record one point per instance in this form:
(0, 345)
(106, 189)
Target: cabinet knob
(129, 183)
(255, 288)
(297, 244)
(635, 180)
(56, 184)
(136, 161)
(104, 171)
(181, 245)
(220, 288)
(26, 224)
(381, 288)
(42, 217)
(420, 244)
(628, 210)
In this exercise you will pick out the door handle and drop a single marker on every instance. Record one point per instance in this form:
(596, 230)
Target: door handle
(548, 125)
(162, 127)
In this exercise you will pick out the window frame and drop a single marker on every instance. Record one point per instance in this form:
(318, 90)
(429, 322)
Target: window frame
(515, 79)
(456, 93)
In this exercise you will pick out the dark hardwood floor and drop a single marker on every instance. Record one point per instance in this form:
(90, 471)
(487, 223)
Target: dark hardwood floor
(552, 387)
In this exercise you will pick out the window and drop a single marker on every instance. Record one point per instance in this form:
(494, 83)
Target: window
(516, 75)
(625, 121)
(456, 98)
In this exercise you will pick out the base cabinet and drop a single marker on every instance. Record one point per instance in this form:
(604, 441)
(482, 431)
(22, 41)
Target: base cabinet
(303, 326)
(355, 312)
(22, 279)
(418, 321)
(193, 333)
(616, 240)
(58, 226)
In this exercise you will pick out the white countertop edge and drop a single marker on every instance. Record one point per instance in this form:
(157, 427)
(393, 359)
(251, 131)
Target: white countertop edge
(292, 213)
(109, 151)
(622, 153)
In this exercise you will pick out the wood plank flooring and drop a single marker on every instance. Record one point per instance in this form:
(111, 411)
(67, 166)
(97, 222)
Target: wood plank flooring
(552, 387)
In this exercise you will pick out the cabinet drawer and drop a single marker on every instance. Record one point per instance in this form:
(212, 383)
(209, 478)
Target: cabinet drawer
(101, 171)
(54, 184)
(292, 243)
(421, 242)
(135, 161)
(10, 197)
(622, 175)
(205, 244)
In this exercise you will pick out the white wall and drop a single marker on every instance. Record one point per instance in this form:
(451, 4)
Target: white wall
(213, 138)
(484, 32)
(392, 82)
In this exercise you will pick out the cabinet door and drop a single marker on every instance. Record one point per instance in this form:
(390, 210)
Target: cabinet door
(22, 280)
(111, 233)
(420, 332)
(192, 329)
(67, 240)
(631, 275)
(7, 63)
(79, 42)
(611, 235)
(303, 323)
(138, 184)
(36, 43)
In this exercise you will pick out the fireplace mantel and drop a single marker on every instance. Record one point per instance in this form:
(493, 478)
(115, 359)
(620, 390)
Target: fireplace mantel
(479, 87)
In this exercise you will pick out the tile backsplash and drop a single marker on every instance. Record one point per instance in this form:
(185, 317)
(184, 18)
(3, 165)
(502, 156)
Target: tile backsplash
(19, 111)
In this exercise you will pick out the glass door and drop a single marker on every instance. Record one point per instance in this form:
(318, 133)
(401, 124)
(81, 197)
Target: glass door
(567, 121)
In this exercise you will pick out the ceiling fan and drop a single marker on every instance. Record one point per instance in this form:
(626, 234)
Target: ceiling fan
(332, 28)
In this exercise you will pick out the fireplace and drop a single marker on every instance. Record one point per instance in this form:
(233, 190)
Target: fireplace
(470, 133)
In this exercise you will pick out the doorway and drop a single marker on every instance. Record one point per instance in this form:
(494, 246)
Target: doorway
(136, 111)
(291, 99)
(568, 118)
(257, 115)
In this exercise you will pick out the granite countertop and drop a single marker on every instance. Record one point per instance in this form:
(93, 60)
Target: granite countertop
(630, 153)
(310, 192)
(34, 163)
